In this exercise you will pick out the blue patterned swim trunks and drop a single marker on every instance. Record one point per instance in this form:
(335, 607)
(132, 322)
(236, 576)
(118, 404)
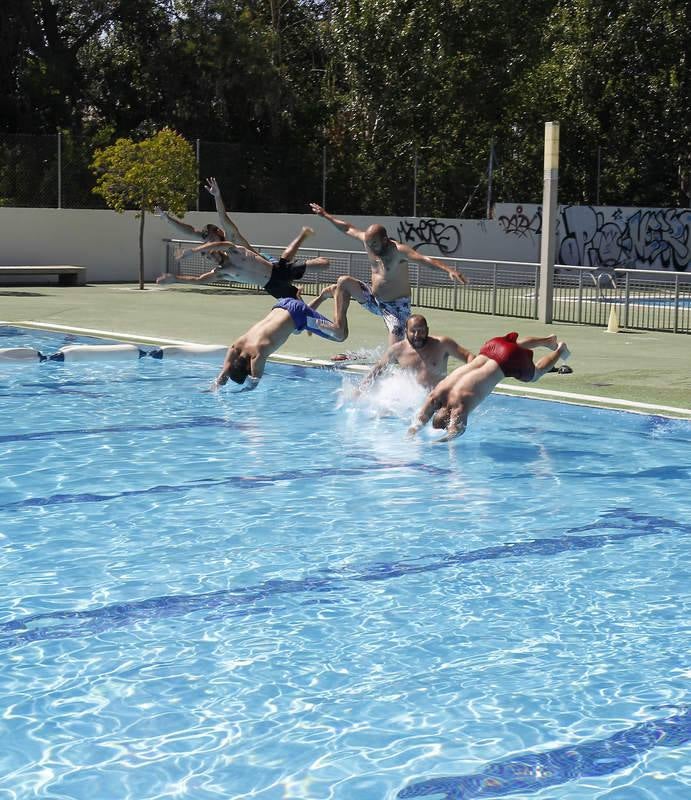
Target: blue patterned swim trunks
(395, 313)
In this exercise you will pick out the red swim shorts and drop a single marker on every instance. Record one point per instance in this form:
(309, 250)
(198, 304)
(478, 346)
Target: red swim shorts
(515, 361)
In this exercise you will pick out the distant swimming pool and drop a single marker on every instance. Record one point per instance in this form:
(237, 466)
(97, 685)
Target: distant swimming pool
(267, 595)
(661, 302)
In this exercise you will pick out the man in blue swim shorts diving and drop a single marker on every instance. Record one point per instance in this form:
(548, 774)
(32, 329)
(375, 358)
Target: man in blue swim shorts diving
(245, 359)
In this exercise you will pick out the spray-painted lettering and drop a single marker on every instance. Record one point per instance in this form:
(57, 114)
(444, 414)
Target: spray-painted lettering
(447, 238)
(646, 238)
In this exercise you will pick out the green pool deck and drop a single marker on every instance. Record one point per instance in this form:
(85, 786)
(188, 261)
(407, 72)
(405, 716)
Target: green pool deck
(630, 370)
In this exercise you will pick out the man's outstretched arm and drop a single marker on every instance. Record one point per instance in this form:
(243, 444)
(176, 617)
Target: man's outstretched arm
(453, 348)
(388, 358)
(419, 258)
(169, 277)
(183, 229)
(343, 226)
(231, 229)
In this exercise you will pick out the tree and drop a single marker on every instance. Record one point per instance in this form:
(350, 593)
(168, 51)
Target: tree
(425, 76)
(158, 171)
(615, 75)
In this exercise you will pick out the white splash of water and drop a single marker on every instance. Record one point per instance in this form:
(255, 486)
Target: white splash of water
(397, 394)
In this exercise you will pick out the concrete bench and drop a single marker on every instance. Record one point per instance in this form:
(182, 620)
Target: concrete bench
(67, 275)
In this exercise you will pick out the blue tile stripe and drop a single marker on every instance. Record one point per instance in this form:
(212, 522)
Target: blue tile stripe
(243, 481)
(531, 772)
(244, 599)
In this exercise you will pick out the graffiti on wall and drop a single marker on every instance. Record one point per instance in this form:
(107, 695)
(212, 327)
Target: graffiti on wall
(446, 237)
(643, 238)
(522, 224)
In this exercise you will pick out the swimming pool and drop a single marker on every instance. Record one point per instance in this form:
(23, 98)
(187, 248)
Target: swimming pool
(661, 302)
(275, 595)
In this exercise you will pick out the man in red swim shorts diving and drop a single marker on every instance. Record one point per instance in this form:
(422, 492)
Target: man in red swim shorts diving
(452, 400)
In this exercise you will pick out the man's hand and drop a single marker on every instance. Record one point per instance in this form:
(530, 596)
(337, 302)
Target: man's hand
(180, 253)
(318, 210)
(455, 275)
(211, 187)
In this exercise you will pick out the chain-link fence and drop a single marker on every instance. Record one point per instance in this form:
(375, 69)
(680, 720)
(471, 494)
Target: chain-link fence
(53, 171)
(46, 171)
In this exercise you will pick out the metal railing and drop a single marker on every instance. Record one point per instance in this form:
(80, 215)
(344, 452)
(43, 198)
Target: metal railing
(643, 299)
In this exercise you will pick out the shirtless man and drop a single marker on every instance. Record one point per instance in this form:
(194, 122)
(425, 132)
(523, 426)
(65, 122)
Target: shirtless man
(246, 357)
(460, 393)
(239, 264)
(424, 355)
(288, 254)
(388, 296)
(285, 269)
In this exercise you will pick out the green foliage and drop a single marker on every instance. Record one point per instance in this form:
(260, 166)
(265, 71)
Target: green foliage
(377, 81)
(158, 171)
(610, 72)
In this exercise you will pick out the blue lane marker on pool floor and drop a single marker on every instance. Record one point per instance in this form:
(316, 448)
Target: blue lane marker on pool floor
(65, 624)
(244, 481)
(531, 772)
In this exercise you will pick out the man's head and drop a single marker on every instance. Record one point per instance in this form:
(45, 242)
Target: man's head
(416, 331)
(239, 367)
(376, 239)
(212, 233)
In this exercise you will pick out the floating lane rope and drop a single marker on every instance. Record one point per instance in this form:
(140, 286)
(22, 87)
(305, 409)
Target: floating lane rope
(110, 352)
(187, 350)
(21, 354)
(97, 352)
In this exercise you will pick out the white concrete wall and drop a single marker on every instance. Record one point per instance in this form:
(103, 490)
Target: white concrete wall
(107, 244)
(104, 242)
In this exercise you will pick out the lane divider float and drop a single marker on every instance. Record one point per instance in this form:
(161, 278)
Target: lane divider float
(109, 352)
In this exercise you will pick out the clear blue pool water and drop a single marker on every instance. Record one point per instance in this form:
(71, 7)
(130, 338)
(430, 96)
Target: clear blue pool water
(276, 595)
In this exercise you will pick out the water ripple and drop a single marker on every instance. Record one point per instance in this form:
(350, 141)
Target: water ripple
(163, 426)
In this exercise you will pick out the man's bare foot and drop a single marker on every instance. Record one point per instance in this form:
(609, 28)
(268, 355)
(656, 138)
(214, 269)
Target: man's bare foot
(563, 351)
(551, 342)
(167, 277)
(329, 291)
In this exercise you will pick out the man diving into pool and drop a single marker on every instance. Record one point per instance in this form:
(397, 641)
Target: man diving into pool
(246, 357)
(453, 399)
(235, 259)
(423, 355)
(388, 294)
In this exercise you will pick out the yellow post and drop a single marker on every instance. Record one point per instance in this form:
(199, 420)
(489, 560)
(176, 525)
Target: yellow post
(549, 223)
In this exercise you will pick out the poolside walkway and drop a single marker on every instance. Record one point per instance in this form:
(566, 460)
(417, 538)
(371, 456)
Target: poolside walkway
(638, 368)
